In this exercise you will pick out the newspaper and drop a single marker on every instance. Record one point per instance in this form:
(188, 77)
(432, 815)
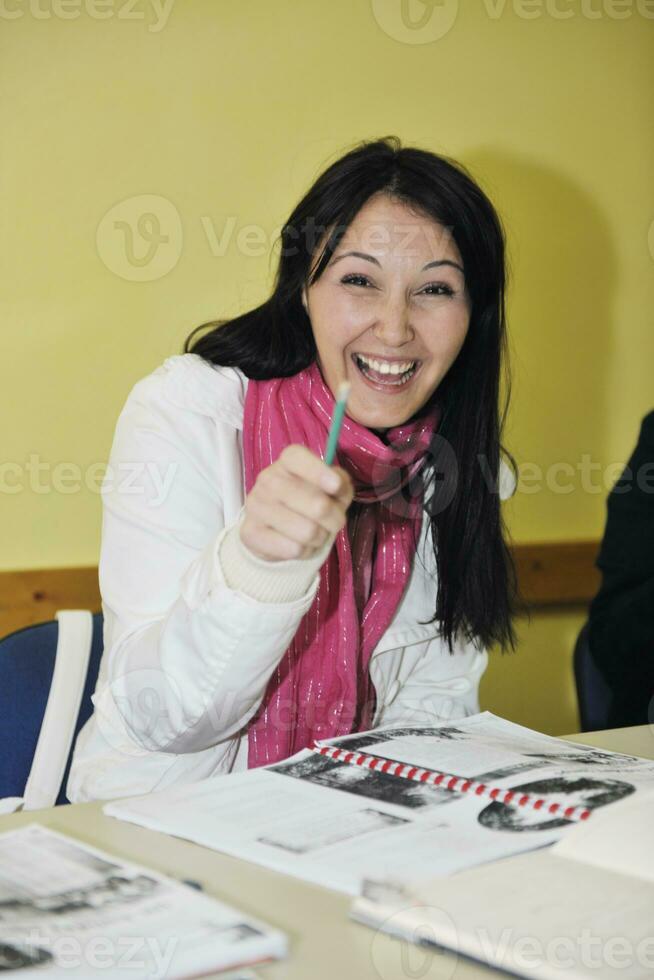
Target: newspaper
(339, 825)
(67, 909)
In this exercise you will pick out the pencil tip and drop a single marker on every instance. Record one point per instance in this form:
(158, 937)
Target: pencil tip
(343, 391)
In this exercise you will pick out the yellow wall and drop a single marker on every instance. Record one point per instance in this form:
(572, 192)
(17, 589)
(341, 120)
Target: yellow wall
(215, 115)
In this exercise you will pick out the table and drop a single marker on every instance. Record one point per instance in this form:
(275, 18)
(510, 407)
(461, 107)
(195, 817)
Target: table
(324, 943)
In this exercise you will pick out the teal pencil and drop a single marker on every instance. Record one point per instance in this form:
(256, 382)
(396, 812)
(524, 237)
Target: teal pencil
(337, 421)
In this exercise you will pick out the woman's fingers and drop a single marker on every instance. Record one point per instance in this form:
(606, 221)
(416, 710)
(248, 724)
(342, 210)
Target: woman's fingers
(346, 493)
(292, 523)
(306, 500)
(295, 504)
(301, 462)
(274, 546)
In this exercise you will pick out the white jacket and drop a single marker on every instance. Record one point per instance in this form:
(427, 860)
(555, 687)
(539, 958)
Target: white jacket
(187, 658)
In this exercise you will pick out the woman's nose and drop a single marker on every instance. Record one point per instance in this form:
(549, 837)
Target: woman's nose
(393, 326)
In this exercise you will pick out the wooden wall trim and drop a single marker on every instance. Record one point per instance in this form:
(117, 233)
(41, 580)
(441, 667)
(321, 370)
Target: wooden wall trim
(554, 573)
(557, 573)
(34, 596)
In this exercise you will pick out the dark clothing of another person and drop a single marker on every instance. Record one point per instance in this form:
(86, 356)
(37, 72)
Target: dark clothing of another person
(621, 630)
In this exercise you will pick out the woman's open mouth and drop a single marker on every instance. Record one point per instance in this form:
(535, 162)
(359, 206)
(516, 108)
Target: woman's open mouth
(386, 375)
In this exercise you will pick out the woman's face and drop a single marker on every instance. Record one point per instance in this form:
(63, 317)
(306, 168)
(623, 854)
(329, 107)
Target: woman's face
(382, 310)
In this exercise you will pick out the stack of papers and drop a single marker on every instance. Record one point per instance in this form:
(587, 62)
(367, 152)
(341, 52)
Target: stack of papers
(582, 909)
(69, 910)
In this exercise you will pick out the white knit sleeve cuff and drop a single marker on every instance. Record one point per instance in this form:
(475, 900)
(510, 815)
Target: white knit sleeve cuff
(267, 581)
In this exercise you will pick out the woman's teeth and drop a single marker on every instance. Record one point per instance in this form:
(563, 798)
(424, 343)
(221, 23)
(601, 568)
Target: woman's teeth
(384, 367)
(380, 370)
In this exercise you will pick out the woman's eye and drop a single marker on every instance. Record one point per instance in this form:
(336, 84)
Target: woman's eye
(432, 289)
(354, 280)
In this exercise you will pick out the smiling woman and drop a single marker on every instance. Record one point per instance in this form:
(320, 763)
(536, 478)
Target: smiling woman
(381, 320)
(247, 613)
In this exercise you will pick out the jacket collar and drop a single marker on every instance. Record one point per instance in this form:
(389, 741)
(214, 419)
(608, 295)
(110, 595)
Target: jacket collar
(196, 384)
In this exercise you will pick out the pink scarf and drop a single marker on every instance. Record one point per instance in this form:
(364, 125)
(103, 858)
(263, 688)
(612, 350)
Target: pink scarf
(321, 687)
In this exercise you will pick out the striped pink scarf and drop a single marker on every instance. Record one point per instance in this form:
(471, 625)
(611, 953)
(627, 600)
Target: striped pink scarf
(321, 687)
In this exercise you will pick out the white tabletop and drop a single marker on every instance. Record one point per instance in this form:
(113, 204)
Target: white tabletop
(324, 943)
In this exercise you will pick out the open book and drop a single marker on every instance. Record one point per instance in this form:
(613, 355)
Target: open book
(398, 803)
(583, 908)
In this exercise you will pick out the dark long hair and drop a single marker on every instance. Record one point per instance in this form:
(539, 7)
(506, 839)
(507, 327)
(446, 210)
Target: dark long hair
(476, 578)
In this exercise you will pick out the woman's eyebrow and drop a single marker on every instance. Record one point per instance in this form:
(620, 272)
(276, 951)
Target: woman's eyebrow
(371, 258)
(454, 265)
(358, 255)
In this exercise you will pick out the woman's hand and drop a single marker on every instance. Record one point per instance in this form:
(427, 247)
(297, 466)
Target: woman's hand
(295, 505)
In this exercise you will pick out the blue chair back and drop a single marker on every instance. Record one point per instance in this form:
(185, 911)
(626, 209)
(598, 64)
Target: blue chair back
(27, 659)
(593, 693)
